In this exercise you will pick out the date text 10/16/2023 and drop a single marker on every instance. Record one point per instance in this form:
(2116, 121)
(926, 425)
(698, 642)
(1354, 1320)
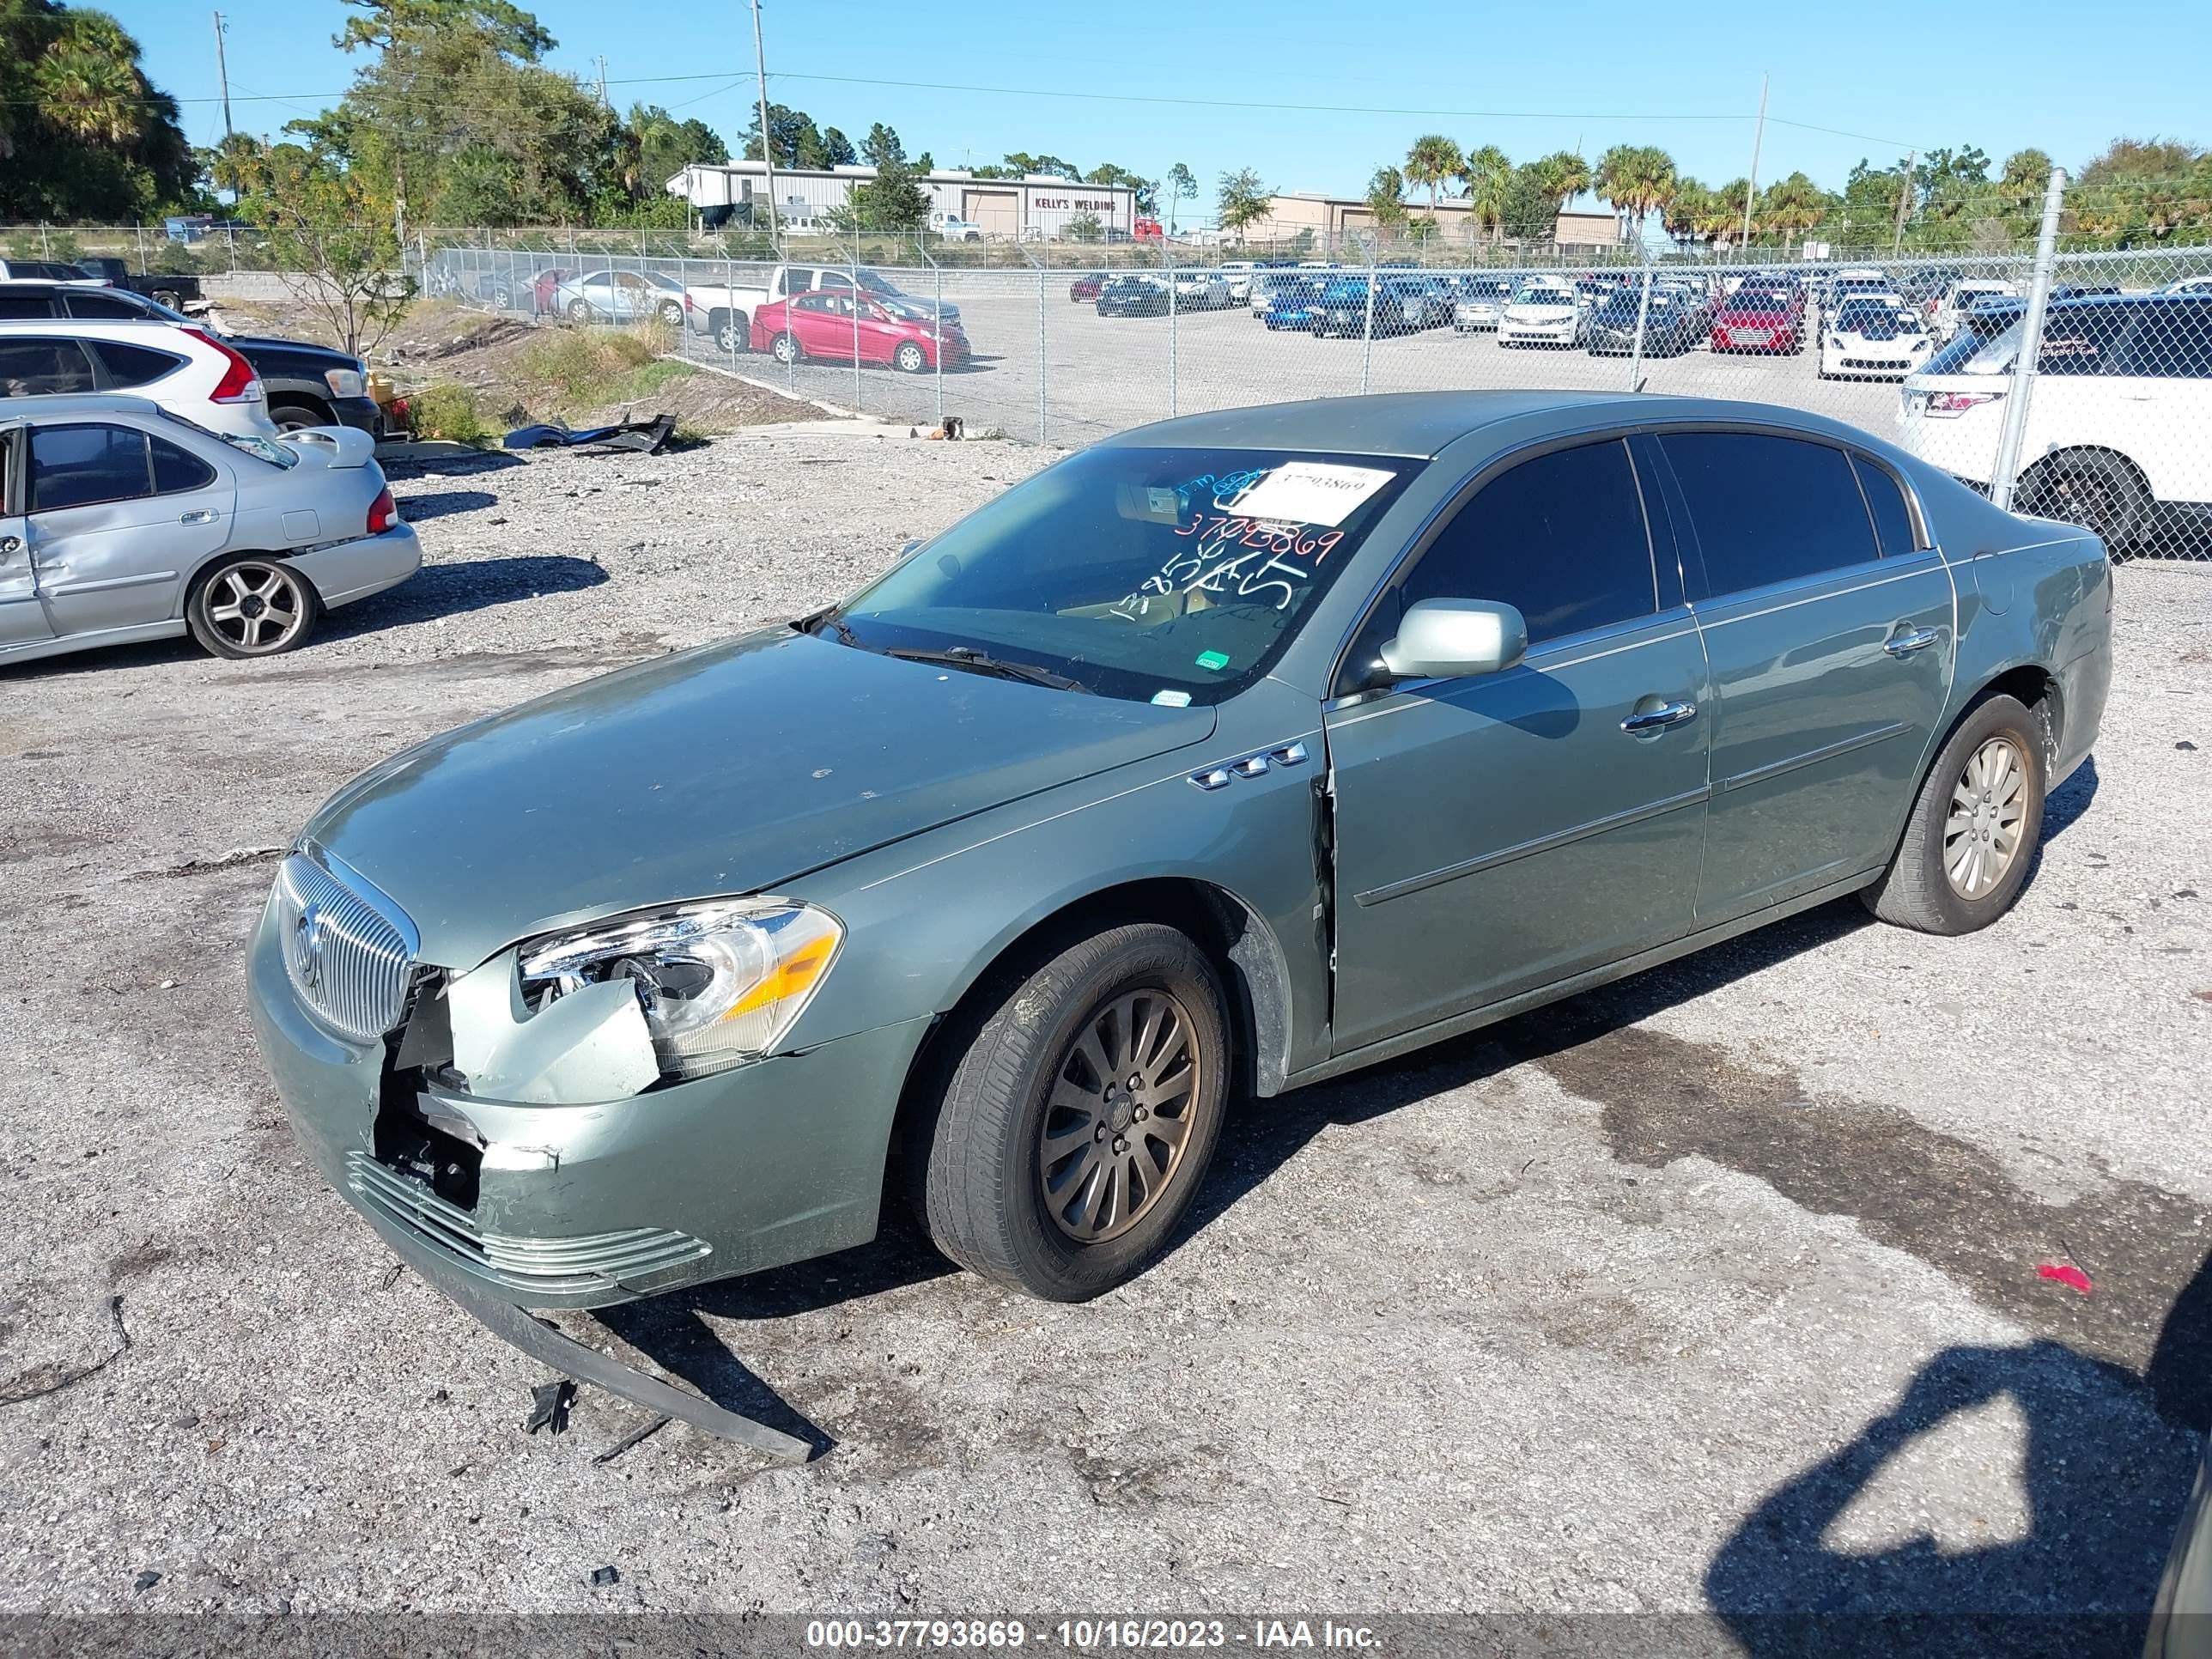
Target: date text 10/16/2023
(1090, 1635)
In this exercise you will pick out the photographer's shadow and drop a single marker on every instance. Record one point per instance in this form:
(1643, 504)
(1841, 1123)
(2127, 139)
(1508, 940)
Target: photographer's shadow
(2106, 1466)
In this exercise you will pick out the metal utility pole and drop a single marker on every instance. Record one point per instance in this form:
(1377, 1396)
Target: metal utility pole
(223, 74)
(1904, 197)
(2014, 433)
(603, 80)
(1758, 138)
(767, 139)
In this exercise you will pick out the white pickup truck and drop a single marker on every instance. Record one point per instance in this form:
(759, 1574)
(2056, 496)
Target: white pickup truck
(724, 309)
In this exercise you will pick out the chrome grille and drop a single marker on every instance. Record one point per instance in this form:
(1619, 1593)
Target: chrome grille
(349, 952)
(555, 1266)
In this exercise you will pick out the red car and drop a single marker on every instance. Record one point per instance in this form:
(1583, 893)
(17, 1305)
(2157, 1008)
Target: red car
(822, 324)
(1086, 287)
(1759, 319)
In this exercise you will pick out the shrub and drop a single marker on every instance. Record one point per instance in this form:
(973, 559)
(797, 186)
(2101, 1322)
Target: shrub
(448, 411)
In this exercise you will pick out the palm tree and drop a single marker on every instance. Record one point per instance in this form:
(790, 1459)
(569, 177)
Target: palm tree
(1488, 176)
(91, 94)
(1791, 205)
(1432, 160)
(1688, 211)
(1638, 179)
(1563, 175)
(1614, 181)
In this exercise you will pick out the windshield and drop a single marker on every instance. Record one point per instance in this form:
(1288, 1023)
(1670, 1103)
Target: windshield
(1173, 576)
(1543, 296)
(1862, 314)
(1754, 300)
(874, 282)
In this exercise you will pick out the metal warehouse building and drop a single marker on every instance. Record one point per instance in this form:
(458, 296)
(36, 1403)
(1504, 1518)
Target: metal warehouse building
(1039, 205)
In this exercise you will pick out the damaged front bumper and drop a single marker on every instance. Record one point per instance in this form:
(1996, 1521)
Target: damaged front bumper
(588, 1205)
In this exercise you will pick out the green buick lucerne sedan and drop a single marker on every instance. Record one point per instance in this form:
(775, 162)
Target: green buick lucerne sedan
(1222, 756)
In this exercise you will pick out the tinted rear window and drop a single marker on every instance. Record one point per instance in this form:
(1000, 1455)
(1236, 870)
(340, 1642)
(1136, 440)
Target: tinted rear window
(1893, 519)
(134, 366)
(1768, 509)
(36, 366)
(26, 305)
(105, 308)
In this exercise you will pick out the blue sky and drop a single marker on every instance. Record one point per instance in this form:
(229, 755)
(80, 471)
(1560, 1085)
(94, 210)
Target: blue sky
(1584, 75)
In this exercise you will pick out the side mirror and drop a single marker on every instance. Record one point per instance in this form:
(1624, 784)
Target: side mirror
(1455, 639)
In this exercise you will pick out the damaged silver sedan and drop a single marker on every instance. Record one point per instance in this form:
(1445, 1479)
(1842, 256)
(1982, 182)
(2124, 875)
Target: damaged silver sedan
(1223, 757)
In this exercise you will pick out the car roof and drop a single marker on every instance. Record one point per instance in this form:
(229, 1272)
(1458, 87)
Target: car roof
(1403, 423)
(84, 405)
(47, 284)
(98, 328)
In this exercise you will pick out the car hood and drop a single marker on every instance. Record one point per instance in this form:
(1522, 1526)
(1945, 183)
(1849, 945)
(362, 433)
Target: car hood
(728, 770)
(300, 348)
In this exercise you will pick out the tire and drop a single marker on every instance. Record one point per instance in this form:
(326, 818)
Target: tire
(671, 314)
(579, 312)
(252, 607)
(910, 359)
(1923, 888)
(733, 333)
(166, 296)
(2099, 492)
(786, 349)
(994, 1198)
(296, 417)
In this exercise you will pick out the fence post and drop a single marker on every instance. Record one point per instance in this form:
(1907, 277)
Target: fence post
(853, 302)
(729, 306)
(1367, 344)
(45, 247)
(1041, 274)
(1167, 264)
(1643, 311)
(2014, 431)
(939, 353)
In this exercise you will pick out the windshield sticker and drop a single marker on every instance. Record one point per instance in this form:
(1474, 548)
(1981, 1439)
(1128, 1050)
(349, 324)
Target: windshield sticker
(1172, 699)
(1311, 492)
(1216, 660)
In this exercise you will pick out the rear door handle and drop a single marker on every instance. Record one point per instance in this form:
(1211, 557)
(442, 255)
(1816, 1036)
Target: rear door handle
(10, 545)
(1905, 644)
(1658, 720)
(198, 516)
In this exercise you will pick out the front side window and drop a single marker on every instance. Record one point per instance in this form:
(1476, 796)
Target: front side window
(1562, 538)
(1164, 576)
(1768, 508)
(41, 368)
(84, 465)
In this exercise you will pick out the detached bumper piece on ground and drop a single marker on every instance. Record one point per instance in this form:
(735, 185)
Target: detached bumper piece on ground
(645, 437)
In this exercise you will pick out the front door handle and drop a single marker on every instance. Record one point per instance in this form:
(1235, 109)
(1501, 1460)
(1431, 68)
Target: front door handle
(9, 546)
(198, 516)
(1659, 719)
(1905, 644)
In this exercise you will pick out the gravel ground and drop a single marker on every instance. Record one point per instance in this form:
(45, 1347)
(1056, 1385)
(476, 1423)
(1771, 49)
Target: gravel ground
(1714, 1289)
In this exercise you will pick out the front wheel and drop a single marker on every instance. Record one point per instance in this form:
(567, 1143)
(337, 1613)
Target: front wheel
(1974, 827)
(579, 312)
(1078, 1119)
(910, 359)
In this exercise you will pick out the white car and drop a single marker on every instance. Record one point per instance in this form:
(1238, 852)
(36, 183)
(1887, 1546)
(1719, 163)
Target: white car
(2189, 285)
(1238, 274)
(1481, 303)
(1961, 297)
(1542, 314)
(2120, 405)
(959, 230)
(1202, 290)
(186, 370)
(1875, 338)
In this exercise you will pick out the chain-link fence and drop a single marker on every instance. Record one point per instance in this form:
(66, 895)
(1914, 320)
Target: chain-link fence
(2114, 427)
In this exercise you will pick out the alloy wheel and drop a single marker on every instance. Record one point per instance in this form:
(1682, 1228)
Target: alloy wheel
(259, 608)
(1982, 834)
(1119, 1116)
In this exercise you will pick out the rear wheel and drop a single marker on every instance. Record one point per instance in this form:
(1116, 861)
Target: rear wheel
(2099, 492)
(252, 608)
(1968, 845)
(672, 313)
(733, 334)
(1077, 1121)
(785, 347)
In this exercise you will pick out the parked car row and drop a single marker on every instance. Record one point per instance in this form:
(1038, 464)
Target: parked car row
(158, 478)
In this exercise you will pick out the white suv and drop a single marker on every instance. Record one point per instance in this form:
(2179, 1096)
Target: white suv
(2119, 418)
(186, 370)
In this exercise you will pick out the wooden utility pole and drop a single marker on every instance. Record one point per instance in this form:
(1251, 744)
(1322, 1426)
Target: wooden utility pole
(768, 138)
(1904, 197)
(223, 74)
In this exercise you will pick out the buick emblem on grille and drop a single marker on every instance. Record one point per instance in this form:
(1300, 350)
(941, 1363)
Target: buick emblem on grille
(309, 928)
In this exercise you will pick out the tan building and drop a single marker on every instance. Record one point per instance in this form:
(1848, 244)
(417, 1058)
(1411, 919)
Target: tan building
(1332, 219)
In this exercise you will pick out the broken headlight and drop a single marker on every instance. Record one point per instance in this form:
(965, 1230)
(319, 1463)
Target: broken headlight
(719, 984)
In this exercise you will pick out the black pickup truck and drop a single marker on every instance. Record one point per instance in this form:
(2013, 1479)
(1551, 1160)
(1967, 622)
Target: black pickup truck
(170, 290)
(307, 385)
